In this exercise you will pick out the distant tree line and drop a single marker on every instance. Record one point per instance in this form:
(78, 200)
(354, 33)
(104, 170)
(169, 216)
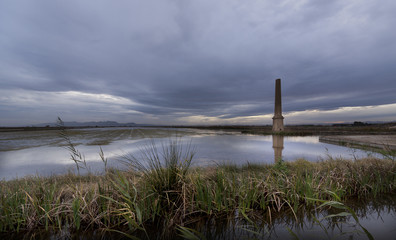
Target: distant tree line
(355, 123)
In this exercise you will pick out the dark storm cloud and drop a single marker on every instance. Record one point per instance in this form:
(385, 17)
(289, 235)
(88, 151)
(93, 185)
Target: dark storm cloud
(211, 58)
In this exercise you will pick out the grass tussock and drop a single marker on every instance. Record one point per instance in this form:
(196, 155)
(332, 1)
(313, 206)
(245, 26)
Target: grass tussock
(162, 189)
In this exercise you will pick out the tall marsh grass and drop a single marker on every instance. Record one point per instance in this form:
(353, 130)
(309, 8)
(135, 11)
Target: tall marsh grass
(164, 169)
(75, 155)
(162, 189)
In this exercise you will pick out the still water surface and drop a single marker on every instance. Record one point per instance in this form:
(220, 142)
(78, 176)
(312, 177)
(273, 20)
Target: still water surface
(43, 152)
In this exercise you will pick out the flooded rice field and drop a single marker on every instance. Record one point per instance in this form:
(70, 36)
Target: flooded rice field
(44, 152)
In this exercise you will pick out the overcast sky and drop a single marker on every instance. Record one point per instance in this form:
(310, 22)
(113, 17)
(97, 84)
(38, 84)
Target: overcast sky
(197, 62)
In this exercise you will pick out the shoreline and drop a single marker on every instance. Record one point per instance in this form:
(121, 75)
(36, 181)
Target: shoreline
(382, 142)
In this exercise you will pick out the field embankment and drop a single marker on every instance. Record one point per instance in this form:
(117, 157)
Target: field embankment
(301, 130)
(325, 130)
(385, 142)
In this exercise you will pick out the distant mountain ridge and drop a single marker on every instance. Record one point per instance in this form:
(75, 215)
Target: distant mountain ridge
(89, 124)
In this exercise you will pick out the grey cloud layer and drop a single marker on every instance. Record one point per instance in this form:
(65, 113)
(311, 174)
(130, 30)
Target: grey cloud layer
(212, 58)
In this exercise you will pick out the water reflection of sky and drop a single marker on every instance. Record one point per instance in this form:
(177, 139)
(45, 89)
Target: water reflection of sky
(240, 149)
(212, 148)
(378, 217)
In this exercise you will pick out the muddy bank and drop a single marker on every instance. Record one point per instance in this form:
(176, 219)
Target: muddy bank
(385, 142)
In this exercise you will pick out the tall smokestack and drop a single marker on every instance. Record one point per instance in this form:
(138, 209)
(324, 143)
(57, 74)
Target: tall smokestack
(277, 125)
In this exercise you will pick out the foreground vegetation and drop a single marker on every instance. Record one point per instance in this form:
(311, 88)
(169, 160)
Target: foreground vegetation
(161, 189)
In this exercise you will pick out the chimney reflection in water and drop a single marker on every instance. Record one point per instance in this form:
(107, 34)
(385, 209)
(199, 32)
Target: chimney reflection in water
(277, 145)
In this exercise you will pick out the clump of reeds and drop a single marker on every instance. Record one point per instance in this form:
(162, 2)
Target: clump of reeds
(163, 170)
(159, 185)
(162, 189)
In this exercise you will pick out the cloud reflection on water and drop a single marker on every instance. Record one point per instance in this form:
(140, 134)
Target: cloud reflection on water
(213, 147)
